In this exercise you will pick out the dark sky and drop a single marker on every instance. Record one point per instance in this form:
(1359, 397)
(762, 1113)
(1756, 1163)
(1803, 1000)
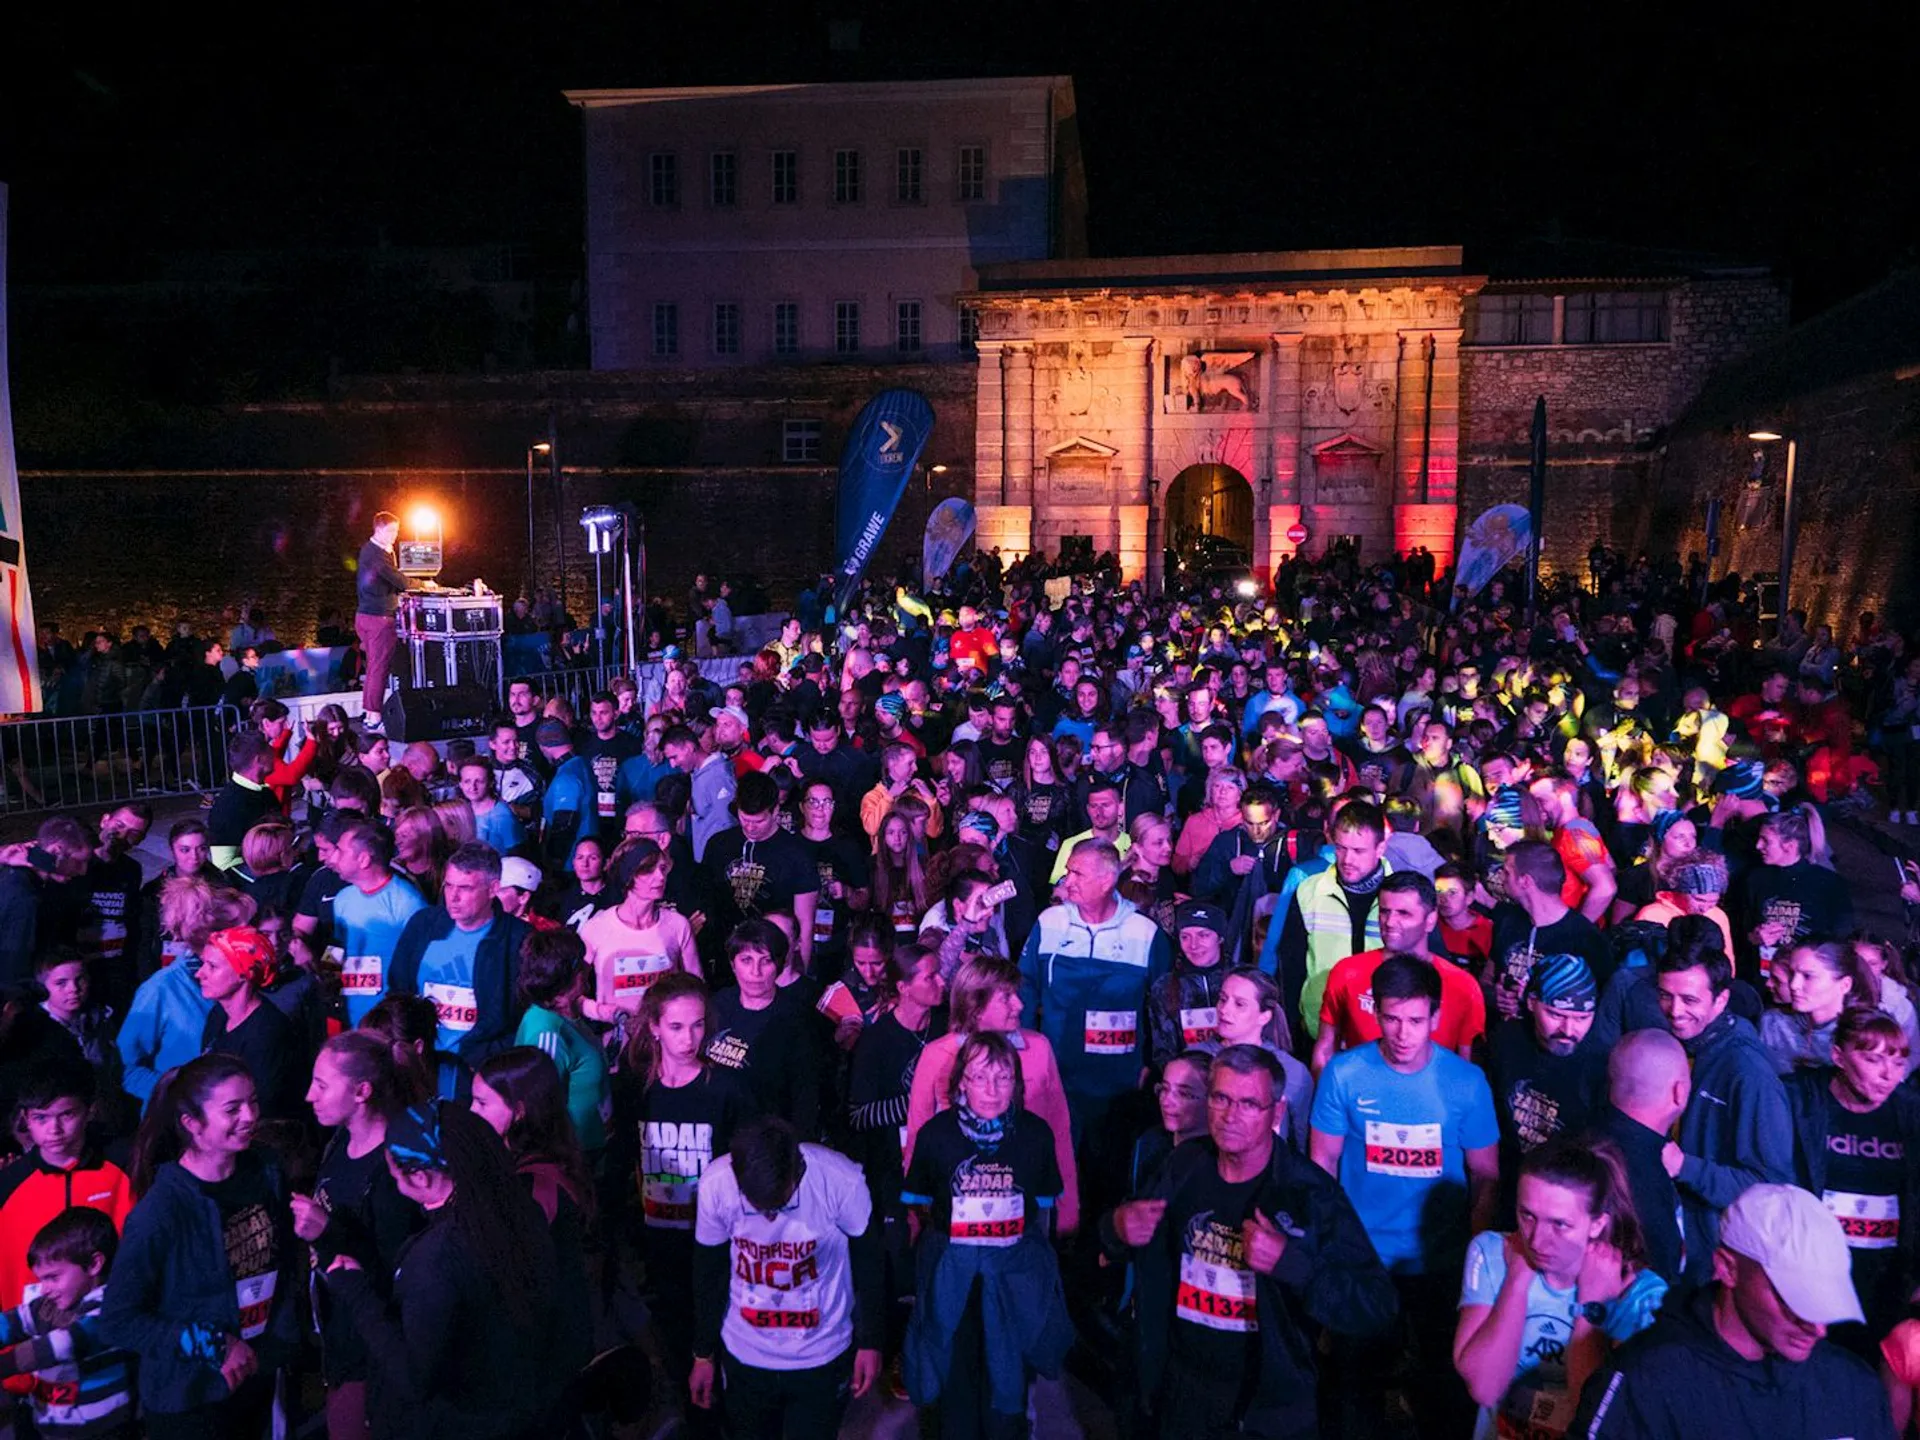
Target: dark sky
(1232, 125)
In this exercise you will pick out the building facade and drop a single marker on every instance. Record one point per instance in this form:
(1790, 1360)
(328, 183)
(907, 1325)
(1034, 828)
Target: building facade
(747, 225)
(1125, 405)
(1293, 401)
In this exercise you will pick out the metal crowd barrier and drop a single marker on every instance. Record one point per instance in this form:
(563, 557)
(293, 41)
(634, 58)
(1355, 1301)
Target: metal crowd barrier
(73, 762)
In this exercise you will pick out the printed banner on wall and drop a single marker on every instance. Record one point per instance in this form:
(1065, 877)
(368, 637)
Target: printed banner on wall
(19, 659)
(881, 452)
(949, 528)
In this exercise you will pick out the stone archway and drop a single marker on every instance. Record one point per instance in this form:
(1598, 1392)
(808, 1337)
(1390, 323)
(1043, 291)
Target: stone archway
(1207, 518)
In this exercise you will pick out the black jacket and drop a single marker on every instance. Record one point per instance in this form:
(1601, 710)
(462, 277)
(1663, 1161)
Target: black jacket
(1680, 1381)
(1655, 1200)
(1329, 1277)
(1736, 1132)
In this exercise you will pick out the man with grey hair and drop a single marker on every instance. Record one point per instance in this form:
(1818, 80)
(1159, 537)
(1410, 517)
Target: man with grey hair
(1086, 968)
(462, 955)
(1648, 1084)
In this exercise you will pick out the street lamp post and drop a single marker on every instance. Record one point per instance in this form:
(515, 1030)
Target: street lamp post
(1787, 517)
(539, 447)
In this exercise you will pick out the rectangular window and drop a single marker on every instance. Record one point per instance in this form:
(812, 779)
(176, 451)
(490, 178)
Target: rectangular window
(663, 179)
(906, 327)
(786, 177)
(906, 176)
(666, 329)
(1621, 317)
(970, 173)
(786, 327)
(846, 327)
(726, 328)
(800, 442)
(723, 177)
(969, 326)
(846, 177)
(1512, 320)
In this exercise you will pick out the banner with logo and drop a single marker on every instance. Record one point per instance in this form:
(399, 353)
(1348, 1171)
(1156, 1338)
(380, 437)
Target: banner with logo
(874, 468)
(1491, 543)
(19, 659)
(949, 528)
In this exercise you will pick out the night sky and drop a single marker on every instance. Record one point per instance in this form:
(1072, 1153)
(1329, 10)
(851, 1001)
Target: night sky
(1231, 125)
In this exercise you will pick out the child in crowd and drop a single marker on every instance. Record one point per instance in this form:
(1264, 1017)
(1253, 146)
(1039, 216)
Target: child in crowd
(64, 1168)
(81, 1388)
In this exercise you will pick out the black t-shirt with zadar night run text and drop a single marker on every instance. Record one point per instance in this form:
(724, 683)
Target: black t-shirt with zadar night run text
(1216, 1313)
(979, 1197)
(246, 1204)
(748, 878)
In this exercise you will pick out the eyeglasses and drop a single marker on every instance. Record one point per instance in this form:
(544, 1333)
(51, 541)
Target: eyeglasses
(1220, 1100)
(1179, 1092)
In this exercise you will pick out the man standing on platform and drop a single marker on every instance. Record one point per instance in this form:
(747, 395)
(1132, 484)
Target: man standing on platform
(377, 584)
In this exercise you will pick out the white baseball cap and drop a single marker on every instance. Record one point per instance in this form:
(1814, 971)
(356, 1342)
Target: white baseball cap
(517, 873)
(1791, 1235)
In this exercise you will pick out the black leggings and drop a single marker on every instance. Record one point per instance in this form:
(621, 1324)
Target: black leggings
(1903, 769)
(786, 1404)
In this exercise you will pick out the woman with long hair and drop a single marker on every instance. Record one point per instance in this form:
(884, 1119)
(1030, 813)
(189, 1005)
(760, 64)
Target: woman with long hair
(900, 892)
(1148, 879)
(355, 1208)
(1824, 980)
(1673, 839)
(984, 995)
(457, 821)
(1251, 1012)
(638, 941)
(1882, 958)
(984, 1176)
(523, 1099)
(420, 849)
(1041, 796)
(552, 982)
(467, 1344)
(203, 1285)
(1526, 1343)
(674, 1114)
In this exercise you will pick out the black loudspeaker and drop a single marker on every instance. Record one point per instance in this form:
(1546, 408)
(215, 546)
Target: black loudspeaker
(446, 713)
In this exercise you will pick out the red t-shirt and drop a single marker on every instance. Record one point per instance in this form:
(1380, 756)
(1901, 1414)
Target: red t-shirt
(1580, 848)
(976, 648)
(1347, 1004)
(1474, 943)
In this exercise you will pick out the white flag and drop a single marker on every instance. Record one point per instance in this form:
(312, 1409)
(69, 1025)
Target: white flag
(19, 668)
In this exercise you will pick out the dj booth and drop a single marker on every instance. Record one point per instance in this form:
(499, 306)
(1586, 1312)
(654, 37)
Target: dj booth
(452, 637)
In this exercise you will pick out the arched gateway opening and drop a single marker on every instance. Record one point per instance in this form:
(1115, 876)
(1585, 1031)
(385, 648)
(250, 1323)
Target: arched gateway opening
(1208, 526)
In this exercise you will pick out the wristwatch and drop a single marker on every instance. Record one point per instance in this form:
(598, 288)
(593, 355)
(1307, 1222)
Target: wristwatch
(1594, 1312)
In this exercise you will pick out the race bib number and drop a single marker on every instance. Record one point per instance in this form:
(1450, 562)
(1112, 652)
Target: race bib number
(632, 974)
(456, 1005)
(1871, 1222)
(255, 1296)
(667, 1201)
(1410, 1152)
(1200, 1027)
(361, 974)
(987, 1219)
(1110, 1032)
(1220, 1297)
(782, 1309)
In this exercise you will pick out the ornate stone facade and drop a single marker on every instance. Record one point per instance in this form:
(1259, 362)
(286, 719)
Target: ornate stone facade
(1329, 381)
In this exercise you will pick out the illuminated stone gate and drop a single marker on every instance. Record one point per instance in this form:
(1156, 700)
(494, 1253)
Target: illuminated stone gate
(1329, 380)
